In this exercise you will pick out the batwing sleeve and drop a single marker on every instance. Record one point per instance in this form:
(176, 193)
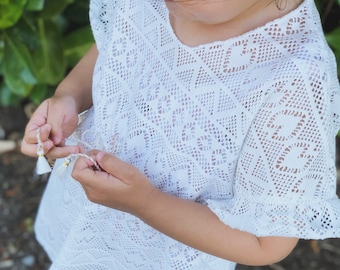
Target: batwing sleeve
(285, 179)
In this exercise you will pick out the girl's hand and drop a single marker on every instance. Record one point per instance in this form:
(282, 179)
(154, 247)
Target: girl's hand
(119, 185)
(56, 118)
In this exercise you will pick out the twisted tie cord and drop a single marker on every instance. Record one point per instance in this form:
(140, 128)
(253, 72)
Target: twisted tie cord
(44, 167)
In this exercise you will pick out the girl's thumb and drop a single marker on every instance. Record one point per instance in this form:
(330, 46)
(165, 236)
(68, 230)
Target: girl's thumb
(109, 163)
(56, 132)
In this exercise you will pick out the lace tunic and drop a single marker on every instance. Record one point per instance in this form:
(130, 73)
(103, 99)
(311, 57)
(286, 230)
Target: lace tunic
(245, 126)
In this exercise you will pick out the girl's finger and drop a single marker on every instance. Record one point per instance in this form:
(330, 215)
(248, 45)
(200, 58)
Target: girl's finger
(83, 163)
(84, 173)
(50, 150)
(30, 149)
(62, 151)
(117, 167)
(32, 131)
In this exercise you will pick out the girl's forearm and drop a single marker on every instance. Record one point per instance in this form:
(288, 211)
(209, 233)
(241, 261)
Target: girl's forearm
(123, 187)
(78, 83)
(197, 226)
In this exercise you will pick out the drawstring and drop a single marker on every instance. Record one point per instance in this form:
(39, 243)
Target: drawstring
(44, 167)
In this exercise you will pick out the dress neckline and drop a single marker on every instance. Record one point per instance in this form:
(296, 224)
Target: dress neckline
(295, 12)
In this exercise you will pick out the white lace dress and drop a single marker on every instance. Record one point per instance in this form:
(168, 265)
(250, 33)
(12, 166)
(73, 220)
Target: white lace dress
(245, 126)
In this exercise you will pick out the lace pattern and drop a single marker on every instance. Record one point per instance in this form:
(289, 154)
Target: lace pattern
(245, 126)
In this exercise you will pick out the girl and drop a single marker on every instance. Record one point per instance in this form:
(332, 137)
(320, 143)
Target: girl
(212, 125)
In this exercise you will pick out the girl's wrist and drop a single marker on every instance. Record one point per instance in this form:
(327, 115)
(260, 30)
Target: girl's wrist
(78, 97)
(146, 210)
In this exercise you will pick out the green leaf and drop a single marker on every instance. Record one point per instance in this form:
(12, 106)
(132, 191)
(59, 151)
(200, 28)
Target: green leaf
(333, 38)
(77, 13)
(2, 48)
(337, 56)
(54, 7)
(17, 66)
(77, 43)
(50, 62)
(26, 32)
(35, 5)
(7, 98)
(38, 93)
(10, 13)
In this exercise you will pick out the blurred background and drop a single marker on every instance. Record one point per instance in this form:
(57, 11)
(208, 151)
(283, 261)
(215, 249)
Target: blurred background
(40, 41)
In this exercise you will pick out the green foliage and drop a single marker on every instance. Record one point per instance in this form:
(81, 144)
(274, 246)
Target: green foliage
(333, 39)
(330, 15)
(40, 40)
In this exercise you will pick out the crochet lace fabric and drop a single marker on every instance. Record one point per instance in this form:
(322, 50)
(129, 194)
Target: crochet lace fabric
(245, 126)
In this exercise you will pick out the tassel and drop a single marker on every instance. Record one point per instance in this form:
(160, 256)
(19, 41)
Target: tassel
(62, 168)
(42, 163)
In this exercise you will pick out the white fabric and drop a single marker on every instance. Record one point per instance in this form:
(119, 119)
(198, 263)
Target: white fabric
(245, 126)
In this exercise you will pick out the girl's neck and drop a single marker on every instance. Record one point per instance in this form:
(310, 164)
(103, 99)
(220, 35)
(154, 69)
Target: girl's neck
(194, 32)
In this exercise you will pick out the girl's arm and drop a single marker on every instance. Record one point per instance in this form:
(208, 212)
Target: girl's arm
(121, 186)
(78, 83)
(197, 226)
(57, 117)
